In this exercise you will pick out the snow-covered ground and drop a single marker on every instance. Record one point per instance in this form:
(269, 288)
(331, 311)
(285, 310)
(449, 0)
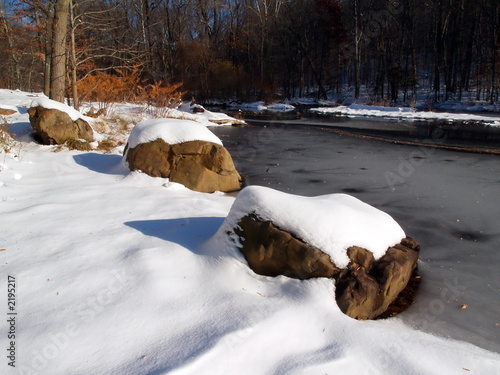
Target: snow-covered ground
(119, 273)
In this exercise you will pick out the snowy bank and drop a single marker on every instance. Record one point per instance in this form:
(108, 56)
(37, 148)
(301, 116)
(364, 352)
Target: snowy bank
(130, 284)
(200, 114)
(261, 107)
(332, 223)
(403, 113)
(18, 98)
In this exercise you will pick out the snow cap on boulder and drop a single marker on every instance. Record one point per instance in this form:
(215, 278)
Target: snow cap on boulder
(52, 104)
(183, 151)
(331, 223)
(172, 131)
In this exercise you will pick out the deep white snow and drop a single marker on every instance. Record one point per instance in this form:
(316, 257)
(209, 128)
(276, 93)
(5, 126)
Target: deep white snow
(121, 273)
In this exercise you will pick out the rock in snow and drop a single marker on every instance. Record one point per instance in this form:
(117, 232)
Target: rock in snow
(366, 288)
(182, 151)
(331, 222)
(56, 123)
(335, 236)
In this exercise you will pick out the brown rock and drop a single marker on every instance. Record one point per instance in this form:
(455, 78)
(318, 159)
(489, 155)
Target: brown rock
(271, 251)
(364, 289)
(56, 127)
(196, 108)
(6, 112)
(153, 158)
(198, 165)
(367, 287)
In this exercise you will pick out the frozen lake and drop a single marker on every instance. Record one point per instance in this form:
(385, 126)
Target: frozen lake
(446, 200)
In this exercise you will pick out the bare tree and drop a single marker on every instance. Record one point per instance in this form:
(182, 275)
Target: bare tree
(58, 72)
(15, 60)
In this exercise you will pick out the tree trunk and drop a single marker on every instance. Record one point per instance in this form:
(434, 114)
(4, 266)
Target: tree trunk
(47, 46)
(494, 52)
(76, 102)
(438, 52)
(15, 70)
(58, 73)
(357, 57)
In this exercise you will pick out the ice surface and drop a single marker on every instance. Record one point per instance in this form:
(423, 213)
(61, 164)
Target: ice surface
(332, 223)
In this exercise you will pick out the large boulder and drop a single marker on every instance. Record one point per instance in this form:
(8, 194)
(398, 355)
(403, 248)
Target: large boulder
(336, 236)
(169, 149)
(57, 123)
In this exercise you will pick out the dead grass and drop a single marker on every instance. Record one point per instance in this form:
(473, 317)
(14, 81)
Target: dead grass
(109, 144)
(78, 144)
(7, 141)
(115, 129)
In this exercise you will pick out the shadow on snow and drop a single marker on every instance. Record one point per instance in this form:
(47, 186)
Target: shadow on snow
(190, 233)
(101, 163)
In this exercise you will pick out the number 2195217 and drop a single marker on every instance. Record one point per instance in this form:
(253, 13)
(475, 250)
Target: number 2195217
(11, 292)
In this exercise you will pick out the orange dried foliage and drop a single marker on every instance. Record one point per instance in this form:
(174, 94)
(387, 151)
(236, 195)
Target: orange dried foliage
(125, 87)
(162, 96)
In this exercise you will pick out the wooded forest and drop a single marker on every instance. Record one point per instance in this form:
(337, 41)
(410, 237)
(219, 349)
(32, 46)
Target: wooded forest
(388, 51)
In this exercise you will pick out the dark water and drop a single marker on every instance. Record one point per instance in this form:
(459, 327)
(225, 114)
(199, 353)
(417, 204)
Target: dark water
(472, 133)
(446, 200)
